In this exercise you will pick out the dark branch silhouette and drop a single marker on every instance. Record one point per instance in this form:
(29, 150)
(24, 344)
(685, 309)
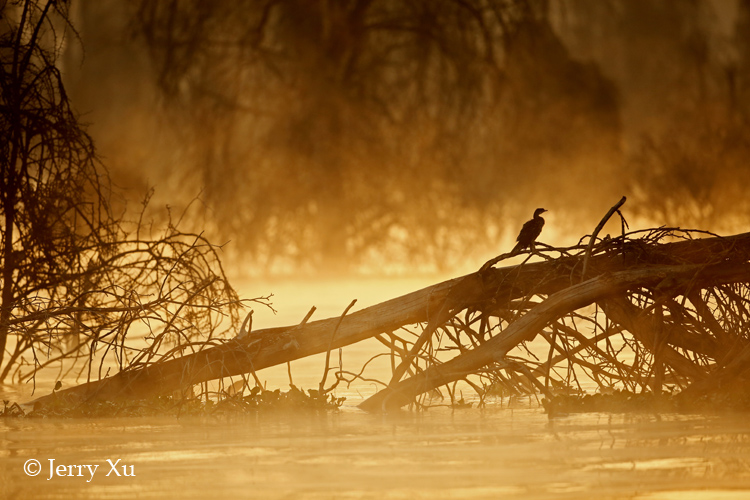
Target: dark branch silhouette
(77, 281)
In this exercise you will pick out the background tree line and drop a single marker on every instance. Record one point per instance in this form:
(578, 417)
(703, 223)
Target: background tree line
(336, 135)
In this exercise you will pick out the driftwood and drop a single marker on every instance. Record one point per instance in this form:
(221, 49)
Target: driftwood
(633, 280)
(557, 305)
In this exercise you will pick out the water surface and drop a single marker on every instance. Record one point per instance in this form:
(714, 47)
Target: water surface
(502, 451)
(489, 453)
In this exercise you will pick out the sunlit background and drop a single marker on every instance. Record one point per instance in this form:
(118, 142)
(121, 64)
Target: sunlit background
(389, 137)
(363, 149)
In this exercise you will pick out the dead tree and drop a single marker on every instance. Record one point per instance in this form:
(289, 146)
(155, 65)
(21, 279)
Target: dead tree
(76, 280)
(665, 314)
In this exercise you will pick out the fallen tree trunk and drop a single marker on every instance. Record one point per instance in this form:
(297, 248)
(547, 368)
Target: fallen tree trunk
(637, 262)
(557, 305)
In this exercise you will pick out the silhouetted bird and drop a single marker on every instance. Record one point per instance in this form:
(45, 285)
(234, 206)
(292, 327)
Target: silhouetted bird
(529, 232)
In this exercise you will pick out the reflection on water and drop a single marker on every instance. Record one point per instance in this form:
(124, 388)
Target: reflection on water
(490, 453)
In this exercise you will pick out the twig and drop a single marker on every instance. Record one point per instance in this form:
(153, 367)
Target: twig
(599, 227)
(321, 387)
(244, 332)
(307, 317)
(303, 323)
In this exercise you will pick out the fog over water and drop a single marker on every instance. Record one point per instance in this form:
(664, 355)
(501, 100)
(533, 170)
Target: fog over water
(509, 449)
(494, 453)
(366, 149)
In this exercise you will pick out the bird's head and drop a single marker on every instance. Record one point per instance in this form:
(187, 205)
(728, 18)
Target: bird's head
(539, 211)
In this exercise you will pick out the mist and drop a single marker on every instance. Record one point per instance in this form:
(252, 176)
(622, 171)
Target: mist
(380, 136)
(359, 170)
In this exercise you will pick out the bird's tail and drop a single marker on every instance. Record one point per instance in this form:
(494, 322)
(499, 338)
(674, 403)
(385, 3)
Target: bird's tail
(516, 249)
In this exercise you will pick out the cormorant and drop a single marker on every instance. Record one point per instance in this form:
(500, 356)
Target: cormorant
(529, 232)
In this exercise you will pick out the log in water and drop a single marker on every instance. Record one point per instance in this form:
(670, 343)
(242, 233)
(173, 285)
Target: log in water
(615, 268)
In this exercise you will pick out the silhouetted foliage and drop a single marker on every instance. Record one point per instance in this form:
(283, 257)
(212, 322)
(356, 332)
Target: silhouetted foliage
(77, 281)
(360, 128)
(683, 77)
(377, 130)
